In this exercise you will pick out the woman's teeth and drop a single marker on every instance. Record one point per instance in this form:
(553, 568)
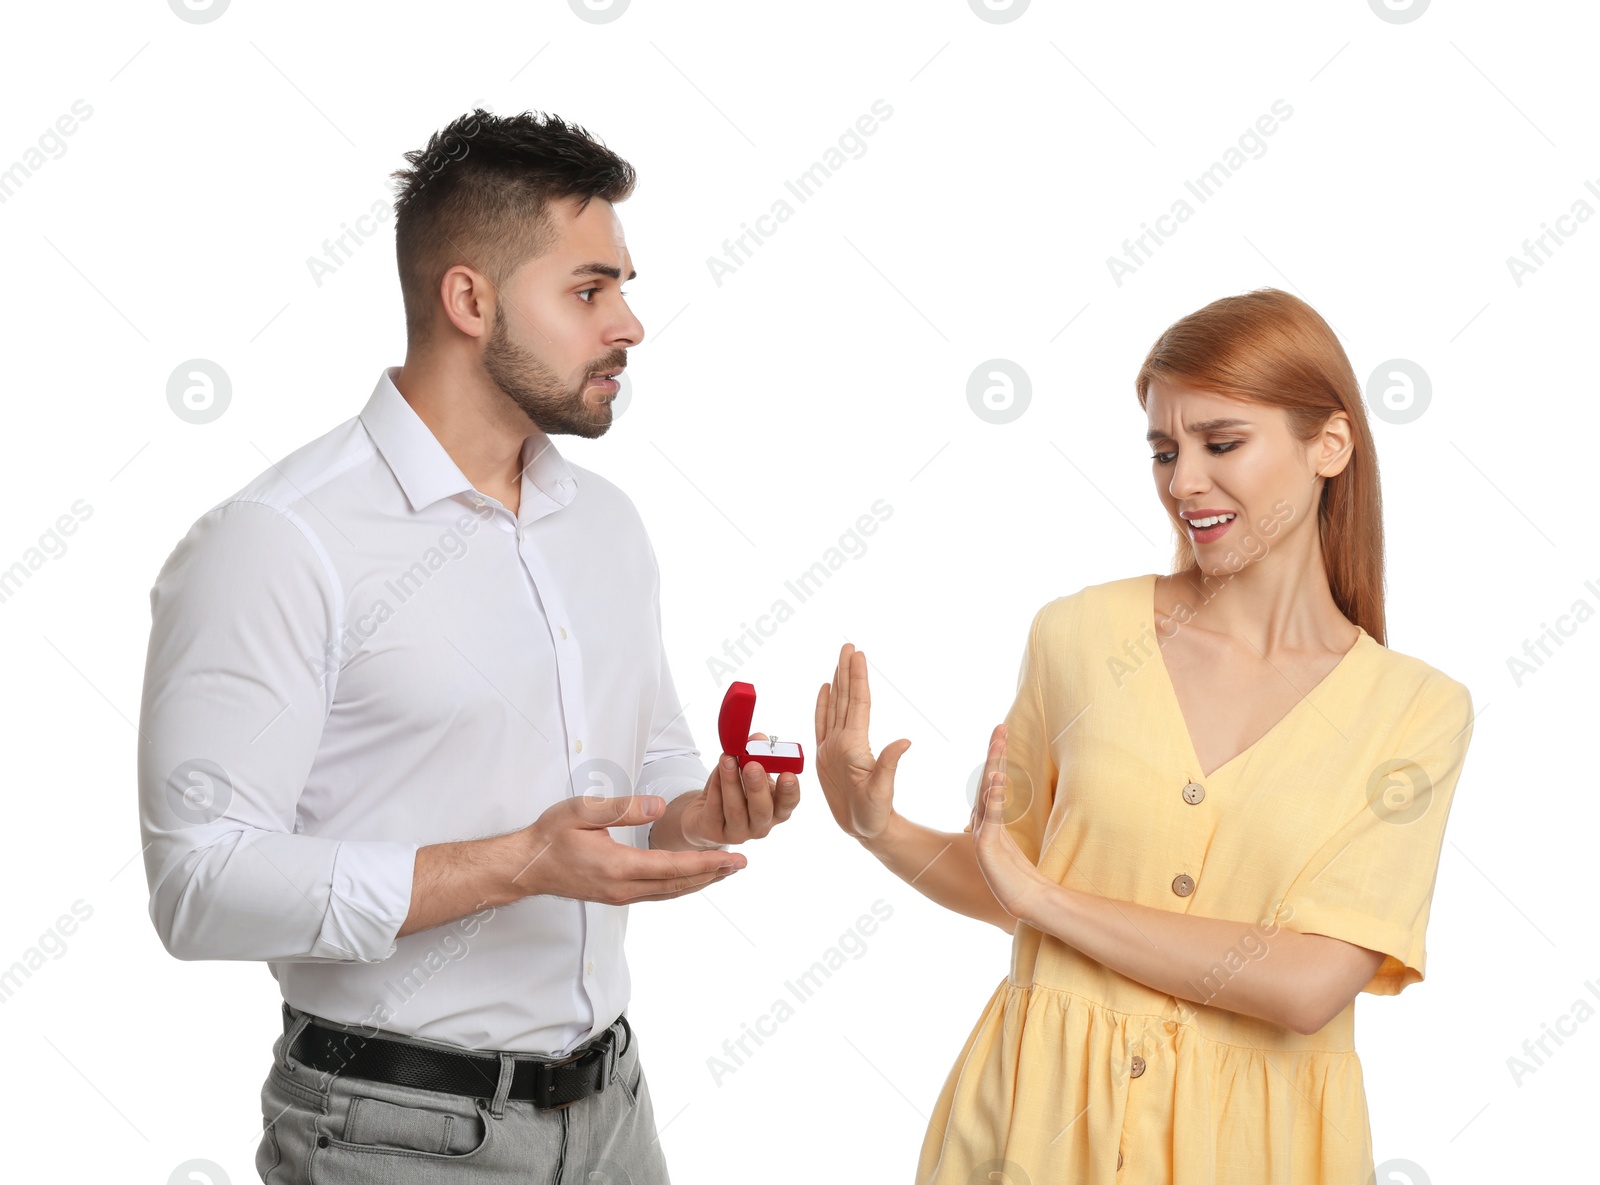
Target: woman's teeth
(1200, 524)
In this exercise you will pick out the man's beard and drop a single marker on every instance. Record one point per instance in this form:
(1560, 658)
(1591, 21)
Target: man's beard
(525, 380)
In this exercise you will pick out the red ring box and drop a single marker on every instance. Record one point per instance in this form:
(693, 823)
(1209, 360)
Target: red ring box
(733, 728)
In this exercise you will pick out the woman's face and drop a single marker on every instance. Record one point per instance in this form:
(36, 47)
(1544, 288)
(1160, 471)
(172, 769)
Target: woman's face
(1218, 456)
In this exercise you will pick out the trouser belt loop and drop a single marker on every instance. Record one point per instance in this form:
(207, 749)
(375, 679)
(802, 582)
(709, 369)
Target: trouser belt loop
(613, 1056)
(508, 1065)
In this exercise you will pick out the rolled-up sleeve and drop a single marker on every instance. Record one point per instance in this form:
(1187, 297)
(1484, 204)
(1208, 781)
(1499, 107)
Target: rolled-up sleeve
(672, 764)
(245, 617)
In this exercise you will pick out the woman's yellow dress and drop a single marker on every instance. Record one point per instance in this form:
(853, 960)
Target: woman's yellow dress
(1330, 824)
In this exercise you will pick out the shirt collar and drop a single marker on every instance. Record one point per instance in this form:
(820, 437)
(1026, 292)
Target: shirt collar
(426, 472)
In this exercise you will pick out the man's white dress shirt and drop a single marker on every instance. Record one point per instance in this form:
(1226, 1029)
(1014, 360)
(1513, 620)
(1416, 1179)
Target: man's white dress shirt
(359, 654)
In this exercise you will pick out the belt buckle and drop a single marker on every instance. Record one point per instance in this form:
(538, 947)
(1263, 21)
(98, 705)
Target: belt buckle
(544, 1071)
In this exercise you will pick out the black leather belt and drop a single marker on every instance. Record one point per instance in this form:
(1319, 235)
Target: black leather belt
(548, 1085)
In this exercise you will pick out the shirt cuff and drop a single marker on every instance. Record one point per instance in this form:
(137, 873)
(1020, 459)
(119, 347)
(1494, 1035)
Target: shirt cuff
(670, 777)
(670, 788)
(370, 898)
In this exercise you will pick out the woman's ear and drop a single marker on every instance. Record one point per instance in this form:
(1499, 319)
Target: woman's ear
(1333, 446)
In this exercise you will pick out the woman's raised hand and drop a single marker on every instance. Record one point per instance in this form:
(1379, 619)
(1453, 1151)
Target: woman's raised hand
(859, 789)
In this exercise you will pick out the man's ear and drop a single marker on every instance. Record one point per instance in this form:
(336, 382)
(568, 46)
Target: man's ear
(467, 300)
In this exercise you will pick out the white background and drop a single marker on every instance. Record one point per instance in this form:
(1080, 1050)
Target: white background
(767, 414)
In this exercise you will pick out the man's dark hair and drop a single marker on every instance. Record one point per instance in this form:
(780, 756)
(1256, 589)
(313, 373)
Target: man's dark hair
(478, 195)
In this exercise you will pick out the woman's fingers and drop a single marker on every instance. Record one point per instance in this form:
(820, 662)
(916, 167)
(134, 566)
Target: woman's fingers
(995, 806)
(834, 702)
(991, 761)
(860, 705)
(995, 762)
(820, 717)
(1003, 845)
(980, 802)
(989, 832)
(980, 814)
(841, 685)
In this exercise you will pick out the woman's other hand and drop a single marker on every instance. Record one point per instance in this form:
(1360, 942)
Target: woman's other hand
(859, 788)
(1013, 879)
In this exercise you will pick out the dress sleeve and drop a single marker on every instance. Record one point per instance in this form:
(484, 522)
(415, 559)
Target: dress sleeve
(1372, 883)
(1030, 764)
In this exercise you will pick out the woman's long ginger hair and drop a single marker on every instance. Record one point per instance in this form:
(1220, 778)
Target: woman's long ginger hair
(1268, 347)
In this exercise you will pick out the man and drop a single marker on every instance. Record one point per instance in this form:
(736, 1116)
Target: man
(400, 691)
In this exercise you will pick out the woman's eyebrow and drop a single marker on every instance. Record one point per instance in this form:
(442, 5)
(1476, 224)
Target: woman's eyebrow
(1202, 426)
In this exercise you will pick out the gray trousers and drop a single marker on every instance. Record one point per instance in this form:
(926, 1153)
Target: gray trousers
(322, 1129)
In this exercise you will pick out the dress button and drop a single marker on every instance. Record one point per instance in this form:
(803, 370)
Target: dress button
(1193, 793)
(577, 746)
(588, 968)
(1138, 1066)
(1183, 884)
(563, 633)
(1170, 1025)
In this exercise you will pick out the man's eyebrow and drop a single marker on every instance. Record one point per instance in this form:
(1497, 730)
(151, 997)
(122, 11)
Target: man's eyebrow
(1202, 426)
(601, 269)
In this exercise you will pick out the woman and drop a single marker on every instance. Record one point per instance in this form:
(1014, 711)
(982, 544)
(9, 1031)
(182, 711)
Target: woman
(1215, 807)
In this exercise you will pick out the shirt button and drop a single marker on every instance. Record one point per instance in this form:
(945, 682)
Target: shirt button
(577, 746)
(1183, 884)
(563, 633)
(1170, 1025)
(1119, 1160)
(1138, 1066)
(478, 502)
(588, 968)
(1193, 793)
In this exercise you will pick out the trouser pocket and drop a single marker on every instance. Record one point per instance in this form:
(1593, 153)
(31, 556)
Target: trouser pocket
(267, 1152)
(376, 1133)
(381, 1124)
(291, 1107)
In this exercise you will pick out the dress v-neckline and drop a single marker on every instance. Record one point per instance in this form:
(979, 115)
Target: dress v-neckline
(1149, 613)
